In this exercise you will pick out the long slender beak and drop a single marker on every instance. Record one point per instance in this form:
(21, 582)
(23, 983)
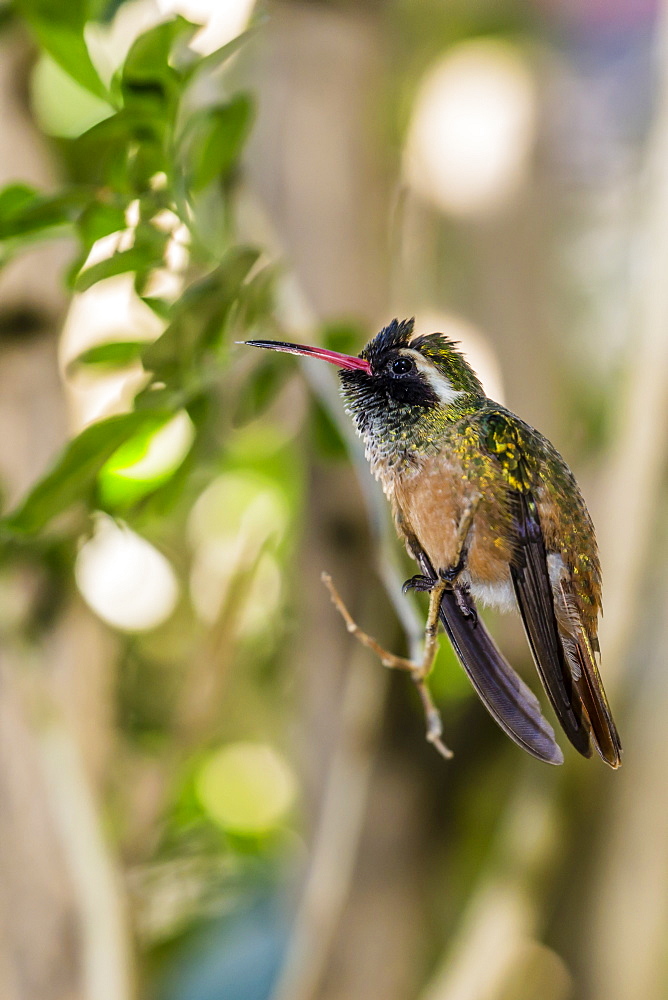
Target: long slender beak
(340, 360)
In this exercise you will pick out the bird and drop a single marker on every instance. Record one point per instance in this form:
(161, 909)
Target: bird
(491, 513)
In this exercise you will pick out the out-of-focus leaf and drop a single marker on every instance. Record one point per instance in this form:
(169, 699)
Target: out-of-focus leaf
(146, 460)
(99, 219)
(160, 307)
(146, 254)
(62, 107)
(120, 263)
(163, 399)
(259, 389)
(115, 354)
(147, 74)
(59, 26)
(200, 315)
(24, 212)
(217, 140)
(104, 154)
(74, 473)
(14, 199)
(214, 60)
(257, 297)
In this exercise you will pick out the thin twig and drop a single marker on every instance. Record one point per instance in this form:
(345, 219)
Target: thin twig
(418, 671)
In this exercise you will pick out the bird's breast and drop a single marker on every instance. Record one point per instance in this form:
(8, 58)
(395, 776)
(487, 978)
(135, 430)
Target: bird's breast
(433, 503)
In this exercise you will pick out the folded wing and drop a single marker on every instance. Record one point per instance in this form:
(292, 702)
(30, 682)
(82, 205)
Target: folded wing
(561, 649)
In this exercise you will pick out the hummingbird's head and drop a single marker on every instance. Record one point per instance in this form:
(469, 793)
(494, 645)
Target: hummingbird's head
(423, 370)
(398, 367)
(402, 388)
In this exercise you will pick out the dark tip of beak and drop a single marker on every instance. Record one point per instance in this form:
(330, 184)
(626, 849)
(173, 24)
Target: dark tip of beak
(334, 358)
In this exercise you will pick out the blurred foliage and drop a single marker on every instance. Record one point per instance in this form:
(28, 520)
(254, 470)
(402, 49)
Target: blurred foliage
(153, 171)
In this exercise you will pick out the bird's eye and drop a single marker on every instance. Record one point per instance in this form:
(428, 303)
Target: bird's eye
(402, 366)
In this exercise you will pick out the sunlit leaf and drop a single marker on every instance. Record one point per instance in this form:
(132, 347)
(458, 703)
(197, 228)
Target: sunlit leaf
(115, 354)
(146, 460)
(147, 253)
(214, 60)
(58, 27)
(74, 472)
(148, 74)
(62, 106)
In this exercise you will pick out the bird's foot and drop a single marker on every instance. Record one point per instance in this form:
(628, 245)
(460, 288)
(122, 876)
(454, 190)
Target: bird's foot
(452, 573)
(466, 605)
(422, 584)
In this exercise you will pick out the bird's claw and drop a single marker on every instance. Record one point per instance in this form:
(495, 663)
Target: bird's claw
(420, 583)
(467, 609)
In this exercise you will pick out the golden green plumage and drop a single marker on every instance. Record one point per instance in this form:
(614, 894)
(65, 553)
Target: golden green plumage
(484, 501)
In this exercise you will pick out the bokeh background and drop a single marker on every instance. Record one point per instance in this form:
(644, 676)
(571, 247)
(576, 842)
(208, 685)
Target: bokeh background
(208, 791)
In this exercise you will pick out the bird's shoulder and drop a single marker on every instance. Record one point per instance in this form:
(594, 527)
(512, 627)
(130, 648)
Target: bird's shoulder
(519, 451)
(530, 464)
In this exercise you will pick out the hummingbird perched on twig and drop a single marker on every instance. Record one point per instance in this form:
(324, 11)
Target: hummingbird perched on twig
(490, 511)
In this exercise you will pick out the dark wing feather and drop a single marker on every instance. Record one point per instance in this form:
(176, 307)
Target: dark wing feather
(503, 693)
(533, 590)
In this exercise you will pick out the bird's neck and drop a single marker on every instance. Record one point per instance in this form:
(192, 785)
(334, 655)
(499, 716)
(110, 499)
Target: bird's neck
(397, 436)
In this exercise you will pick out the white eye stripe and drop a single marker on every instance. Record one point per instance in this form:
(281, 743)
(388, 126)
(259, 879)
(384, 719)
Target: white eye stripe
(440, 383)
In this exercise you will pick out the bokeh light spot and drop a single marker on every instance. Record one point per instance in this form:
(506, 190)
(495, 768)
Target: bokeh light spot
(238, 504)
(223, 20)
(124, 579)
(230, 524)
(472, 128)
(247, 788)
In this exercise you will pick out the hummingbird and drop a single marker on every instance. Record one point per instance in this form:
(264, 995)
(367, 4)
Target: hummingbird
(491, 512)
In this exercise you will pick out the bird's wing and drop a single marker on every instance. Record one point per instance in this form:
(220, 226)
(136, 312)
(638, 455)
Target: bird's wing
(556, 635)
(503, 693)
(533, 590)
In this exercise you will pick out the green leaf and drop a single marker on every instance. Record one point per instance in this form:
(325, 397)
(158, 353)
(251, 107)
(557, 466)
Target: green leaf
(146, 460)
(74, 473)
(200, 315)
(14, 199)
(148, 75)
(61, 106)
(24, 212)
(146, 254)
(119, 263)
(114, 354)
(218, 140)
(100, 219)
(102, 154)
(58, 26)
(214, 60)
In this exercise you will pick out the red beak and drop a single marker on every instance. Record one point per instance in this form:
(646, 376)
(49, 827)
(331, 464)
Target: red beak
(340, 360)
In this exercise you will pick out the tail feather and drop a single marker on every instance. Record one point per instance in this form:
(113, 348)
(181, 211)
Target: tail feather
(504, 694)
(581, 652)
